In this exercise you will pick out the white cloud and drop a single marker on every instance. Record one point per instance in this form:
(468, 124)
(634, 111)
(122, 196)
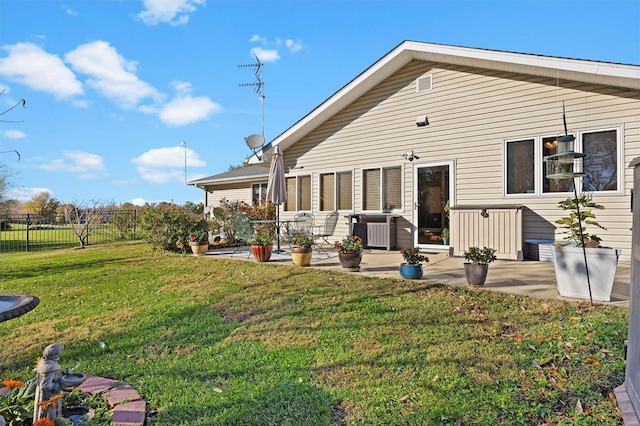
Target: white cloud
(265, 55)
(14, 134)
(257, 38)
(138, 201)
(30, 65)
(110, 74)
(269, 51)
(87, 166)
(173, 12)
(68, 10)
(163, 165)
(187, 110)
(25, 194)
(293, 46)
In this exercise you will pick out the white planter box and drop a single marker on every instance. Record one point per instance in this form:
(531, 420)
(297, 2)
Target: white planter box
(571, 273)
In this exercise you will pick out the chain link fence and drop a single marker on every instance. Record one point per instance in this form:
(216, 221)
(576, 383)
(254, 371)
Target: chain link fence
(32, 232)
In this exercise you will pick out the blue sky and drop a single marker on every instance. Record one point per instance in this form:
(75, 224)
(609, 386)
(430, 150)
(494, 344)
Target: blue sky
(114, 86)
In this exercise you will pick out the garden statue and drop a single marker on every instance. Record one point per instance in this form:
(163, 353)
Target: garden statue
(48, 391)
(50, 383)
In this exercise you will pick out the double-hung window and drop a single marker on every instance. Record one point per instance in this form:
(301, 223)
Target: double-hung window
(298, 193)
(336, 191)
(382, 188)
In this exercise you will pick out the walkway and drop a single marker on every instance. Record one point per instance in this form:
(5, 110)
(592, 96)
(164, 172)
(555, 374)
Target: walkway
(530, 278)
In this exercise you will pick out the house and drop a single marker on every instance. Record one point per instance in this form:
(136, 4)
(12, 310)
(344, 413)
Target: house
(432, 126)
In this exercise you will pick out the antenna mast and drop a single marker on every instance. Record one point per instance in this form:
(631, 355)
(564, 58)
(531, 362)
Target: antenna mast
(259, 85)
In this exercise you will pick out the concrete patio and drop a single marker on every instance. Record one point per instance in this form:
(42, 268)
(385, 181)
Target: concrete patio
(530, 278)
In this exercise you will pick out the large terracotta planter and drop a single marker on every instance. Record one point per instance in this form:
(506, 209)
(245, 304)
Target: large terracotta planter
(476, 274)
(301, 256)
(571, 273)
(199, 248)
(262, 253)
(350, 261)
(411, 272)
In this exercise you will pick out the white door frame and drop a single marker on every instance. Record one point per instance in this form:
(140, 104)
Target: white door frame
(452, 197)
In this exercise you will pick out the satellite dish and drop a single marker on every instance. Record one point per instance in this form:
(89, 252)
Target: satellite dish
(254, 141)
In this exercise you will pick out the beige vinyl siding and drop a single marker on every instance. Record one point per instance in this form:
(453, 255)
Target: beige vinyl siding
(237, 192)
(471, 113)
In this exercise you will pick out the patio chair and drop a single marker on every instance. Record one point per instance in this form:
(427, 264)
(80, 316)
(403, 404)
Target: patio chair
(243, 229)
(325, 231)
(303, 223)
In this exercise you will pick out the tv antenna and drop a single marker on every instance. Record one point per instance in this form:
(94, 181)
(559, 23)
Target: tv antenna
(259, 84)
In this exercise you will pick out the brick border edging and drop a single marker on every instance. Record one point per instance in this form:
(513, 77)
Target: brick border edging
(129, 409)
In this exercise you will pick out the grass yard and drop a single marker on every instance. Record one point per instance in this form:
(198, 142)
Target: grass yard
(226, 342)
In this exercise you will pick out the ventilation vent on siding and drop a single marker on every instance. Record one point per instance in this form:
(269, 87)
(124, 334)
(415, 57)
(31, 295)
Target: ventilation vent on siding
(423, 83)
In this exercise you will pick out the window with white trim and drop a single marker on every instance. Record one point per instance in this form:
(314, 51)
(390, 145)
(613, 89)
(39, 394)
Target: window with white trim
(258, 193)
(524, 163)
(336, 191)
(601, 162)
(521, 166)
(298, 193)
(382, 188)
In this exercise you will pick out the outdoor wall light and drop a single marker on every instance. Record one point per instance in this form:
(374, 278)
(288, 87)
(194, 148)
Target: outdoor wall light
(410, 156)
(422, 121)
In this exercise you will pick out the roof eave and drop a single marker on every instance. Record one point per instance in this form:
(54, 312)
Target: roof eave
(617, 75)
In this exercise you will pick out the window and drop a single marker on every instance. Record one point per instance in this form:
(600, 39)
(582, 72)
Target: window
(550, 147)
(525, 167)
(298, 193)
(258, 193)
(601, 163)
(382, 188)
(327, 192)
(520, 167)
(345, 190)
(336, 188)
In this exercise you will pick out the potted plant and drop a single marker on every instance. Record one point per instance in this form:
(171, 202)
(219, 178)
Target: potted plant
(262, 247)
(199, 242)
(477, 264)
(584, 269)
(301, 248)
(350, 252)
(412, 266)
(445, 229)
(445, 236)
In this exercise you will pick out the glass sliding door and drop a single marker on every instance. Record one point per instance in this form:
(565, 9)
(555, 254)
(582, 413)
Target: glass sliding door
(432, 186)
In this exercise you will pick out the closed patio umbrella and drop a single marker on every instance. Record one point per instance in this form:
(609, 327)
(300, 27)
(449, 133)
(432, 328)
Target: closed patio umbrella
(276, 188)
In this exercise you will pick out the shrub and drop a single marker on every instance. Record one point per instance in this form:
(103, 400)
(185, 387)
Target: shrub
(167, 227)
(412, 256)
(222, 223)
(480, 256)
(301, 241)
(349, 244)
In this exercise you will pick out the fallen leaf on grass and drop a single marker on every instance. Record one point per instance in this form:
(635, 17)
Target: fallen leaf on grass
(592, 361)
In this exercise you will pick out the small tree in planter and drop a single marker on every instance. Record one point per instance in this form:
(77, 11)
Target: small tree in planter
(573, 275)
(477, 265)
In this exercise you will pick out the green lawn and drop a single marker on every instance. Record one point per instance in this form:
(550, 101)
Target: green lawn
(212, 341)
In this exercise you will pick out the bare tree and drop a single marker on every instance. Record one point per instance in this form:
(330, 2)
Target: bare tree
(86, 220)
